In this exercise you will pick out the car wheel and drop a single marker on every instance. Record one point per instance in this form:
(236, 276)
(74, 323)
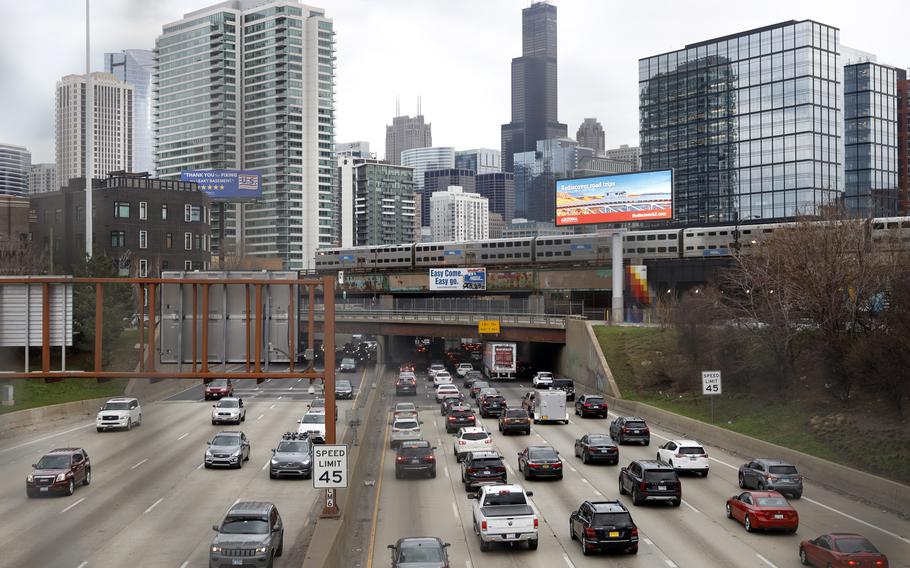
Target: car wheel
(280, 550)
(622, 490)
(213, 423)
(572, 534)
(271, 561)
(397, 474)
(100, 429)
(705, 473)
(484, 545)
(797, 495)
(29, 493)
(677, 503)
(240, 463)
(584, 457)
(748, 523)
(71, 488)
(272, 475)
(584, 548)
(243, 417)
(140, 421)
(636, 497)
(433, 473)
(761, 486)
(633, 549)
(742, 481)
(803, 559)
(532, 544)
(129, 424)
(729, 511)
(207, 466)
(528, 432)
(88, 477)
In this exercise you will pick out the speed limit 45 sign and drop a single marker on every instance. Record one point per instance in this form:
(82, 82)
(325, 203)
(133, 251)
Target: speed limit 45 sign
(330, 466)
(710, 382)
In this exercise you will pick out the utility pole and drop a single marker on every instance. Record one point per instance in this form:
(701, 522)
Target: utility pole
(89, 135)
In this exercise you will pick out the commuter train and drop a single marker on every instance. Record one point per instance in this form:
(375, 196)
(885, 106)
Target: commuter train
(571, 250)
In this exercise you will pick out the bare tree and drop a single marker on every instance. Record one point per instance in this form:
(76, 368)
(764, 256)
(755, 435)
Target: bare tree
(22, 258)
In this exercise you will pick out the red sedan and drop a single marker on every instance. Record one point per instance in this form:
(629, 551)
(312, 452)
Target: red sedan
(841, 550)
(763, 510)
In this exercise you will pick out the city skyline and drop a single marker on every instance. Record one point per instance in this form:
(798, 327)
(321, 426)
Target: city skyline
(463, 117)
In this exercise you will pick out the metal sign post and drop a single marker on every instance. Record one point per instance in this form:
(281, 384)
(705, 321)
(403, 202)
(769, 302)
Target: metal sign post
(711, 386)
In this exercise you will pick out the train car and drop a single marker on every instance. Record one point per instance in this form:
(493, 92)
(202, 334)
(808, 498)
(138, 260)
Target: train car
(500, 252)
(352, 258)
(893, 231)
(700, 242)
(666, 243)
(393, 256)
(566, 249)
(429, 255)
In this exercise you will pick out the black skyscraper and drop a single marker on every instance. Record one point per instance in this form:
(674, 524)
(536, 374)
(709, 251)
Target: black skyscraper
(533, 85)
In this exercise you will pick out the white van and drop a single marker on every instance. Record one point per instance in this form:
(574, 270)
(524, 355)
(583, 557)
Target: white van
(550, 406)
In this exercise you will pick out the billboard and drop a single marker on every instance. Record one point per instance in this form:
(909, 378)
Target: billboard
(458, 279)
(639, 196)
(226, 185)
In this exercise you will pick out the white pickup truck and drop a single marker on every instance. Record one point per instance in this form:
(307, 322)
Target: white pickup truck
(503, 513)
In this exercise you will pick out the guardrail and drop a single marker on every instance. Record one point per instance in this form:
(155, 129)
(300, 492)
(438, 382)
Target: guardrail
(534, 320)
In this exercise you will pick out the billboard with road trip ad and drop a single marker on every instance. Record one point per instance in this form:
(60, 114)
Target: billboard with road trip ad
(458, 279)
(639, 196)
(226, 185)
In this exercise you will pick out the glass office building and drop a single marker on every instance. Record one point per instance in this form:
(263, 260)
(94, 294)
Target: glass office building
(136, 67)
(750, 123)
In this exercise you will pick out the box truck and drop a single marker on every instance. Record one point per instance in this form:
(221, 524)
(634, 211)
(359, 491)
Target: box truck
(499, 360)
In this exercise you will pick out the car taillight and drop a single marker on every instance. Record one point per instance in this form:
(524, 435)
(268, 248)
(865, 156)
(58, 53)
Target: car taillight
(557, 465)
(500, 469)
(879, 562)
(400, 458)
(771, 477)
(590, 532)
(587, 404)
(451, 419)
(647, 430)
(488, 441)
(471, 470)
(429, 458)
(642, 486)
(634, 531)
(461, 442)
(483, 525)
(852, 563)
(625, 429)
(471, 417)
(535, 522)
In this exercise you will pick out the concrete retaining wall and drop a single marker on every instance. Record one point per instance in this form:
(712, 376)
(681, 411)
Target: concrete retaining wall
(582, 359)
(865, 486)
(44, 414)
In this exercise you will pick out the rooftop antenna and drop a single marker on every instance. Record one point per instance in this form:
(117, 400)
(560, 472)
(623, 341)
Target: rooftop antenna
(418, 105)
(89, 116)
(397, 107)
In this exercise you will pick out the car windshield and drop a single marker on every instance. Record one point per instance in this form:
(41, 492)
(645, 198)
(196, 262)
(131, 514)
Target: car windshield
(487, 462)
(228, 404)
(474, 436)
(635, 425)
(594, 400)
(309, 418)
(318, 403)
(493, 399)
(405, 424)
(545, 375)
(598, 440)
(660, 476)
(506, 498)
(419, 553)
(405, 406)
(460, 412)
(516, 414)
(772, 502)
(691, 450)
(54, 462)
(545, 454)
(294, 447)
(116, 406)
(452, 399)
(480, 385)
(437, 367)
(414, 450)
(782, 470)
(244, 525)
(563, 383)
(854, 545)
(218, 383)
(612, 520)
(347, 361)
(226, 441)
(342, 385)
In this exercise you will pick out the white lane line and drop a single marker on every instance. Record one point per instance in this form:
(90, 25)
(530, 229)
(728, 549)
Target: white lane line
(155, 504)
(670, 563)
(200, 465)
(271, 407)
(266, 465)
(83, 565)
(724, 463)
(446, 470)
(185, 564)
(235, 502)
(648, 541)
(511, 471)
(279, 397)
(183, 436)
(140, 463)
(860, 521)
(572, 468)
(298, 380)
(686, 503)
(585, 481)
(290, 388)
(48, 437)
(598, 493)
(73, 505)
(765, 560)
(260, 417)
(467, 563)
(565, 558)
(455, 511)
(268, 380)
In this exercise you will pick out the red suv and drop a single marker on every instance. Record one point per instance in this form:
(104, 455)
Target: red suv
(59, 471)
(219, 388)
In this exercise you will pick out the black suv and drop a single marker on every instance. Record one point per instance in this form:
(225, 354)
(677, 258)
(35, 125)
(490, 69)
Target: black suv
(492, 405)
(630, 429)
(565, 385)
(591, 405)
(648, 480)
(415, 456)
(604, 525)
(482, 467)
(459, 417)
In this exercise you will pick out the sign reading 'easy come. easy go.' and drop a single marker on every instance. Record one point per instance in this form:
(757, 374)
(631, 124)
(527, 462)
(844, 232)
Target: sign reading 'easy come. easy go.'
(458, 279)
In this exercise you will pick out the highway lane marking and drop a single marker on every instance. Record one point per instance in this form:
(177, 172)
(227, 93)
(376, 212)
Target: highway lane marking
(73, 505)
(670, 563)
(260, 417)
(467, 563)
(572, 468)
(455, 512)
(48, 437)
(598, 493)
(185, 564)
(271, 407)
(567, 560)
(279, 397)
(140, 463)
(183, 436)
(686, 503)
(83, 565)
(583, 480)
(372, 548)
(200, 465)
(648, 541)
(446, 470)
(266, 465)
(155, 504)
(724, 463)
(511, 471)
(852, 518)
(765, 560)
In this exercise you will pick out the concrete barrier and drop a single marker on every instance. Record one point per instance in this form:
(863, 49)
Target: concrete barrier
(864, 486)
(44, 414)
(583, 360)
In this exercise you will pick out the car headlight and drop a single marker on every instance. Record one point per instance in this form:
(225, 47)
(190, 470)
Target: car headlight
(262, 549)
(30, 478)
(236, 453)
(274, 461)
(306, 461)
(208, 452)
(61, 476)
(216, 549)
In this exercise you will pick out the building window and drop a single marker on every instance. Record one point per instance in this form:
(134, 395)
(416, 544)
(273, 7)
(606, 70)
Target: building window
(121, 210)
(165, 265)
(80, 213)
(197, 238)
(164, 212)
(118, 239)
(143, 268)
(169, 240)
(187, 241)
(58, 216)
(143, 210)
(192, 213)
(143, 239)
(187, 264)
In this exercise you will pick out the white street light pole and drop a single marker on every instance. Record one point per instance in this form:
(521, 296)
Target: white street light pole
(89, 136)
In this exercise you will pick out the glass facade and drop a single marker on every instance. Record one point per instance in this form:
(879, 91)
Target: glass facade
(383, 204)
(750, 123)
(499, 189)
(135, 67)
(536, 174)
(871, 135)
(15, 164)
(440, 180)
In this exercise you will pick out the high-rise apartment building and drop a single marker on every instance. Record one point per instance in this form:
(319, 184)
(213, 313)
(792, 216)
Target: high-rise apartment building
(15, 164)
(534, 92)
(439, 180)
(591, 135)
(480, 160)
(113, 116)
(250, 84)
(499, 189)
(136, 67)
(536, 173)
(497, 226)
(871, 139)
(751, 123)
(404, 133)
(42, 178)
(459, 216)
(423, 159)
(625, 153)
(383, 203)
(903, 142)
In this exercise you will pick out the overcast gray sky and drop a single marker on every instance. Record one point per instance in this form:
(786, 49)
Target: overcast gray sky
(455, 54)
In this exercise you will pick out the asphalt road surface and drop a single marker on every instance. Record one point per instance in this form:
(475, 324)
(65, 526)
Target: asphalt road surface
(697, 534)
(151, 503)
